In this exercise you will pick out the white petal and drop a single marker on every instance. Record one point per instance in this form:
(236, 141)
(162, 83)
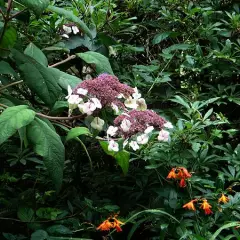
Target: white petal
(97, 123)
(82, 91)
(142, 139)
(149, 129)
(112, 131)
(168, 125)
(163, 136)
(141, 104)
(115, 108)
(125, 125)
(65, 36)
(136, 94)
(113, 146)
(134, 145)
(131, 103)
(67, 29)
(96, 102)
(75, 29)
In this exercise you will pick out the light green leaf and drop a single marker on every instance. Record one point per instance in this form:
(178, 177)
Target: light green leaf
(47, 143)
(34, 52)
(37, 6)
(14, 118)
(65, 79)
(25, 214)
(160, 37)
(39, 235)
(181, 101)
(180, 46)
(229, 225)
(100, 61)
(76, 132)
(71, 17)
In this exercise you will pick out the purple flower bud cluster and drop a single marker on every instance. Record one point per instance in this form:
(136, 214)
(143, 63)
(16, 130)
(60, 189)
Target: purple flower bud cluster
(106, 88)
(140, 120)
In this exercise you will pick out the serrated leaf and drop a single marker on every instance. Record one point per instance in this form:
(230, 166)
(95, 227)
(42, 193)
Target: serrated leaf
(37, 6)
(25, 214)
(34, 52)
(39, 235)
(14, 118)
(101, 62)
(71, 17)
(47, 143)
(76, 132)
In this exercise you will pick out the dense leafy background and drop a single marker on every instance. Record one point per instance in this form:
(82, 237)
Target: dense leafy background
(184, 56)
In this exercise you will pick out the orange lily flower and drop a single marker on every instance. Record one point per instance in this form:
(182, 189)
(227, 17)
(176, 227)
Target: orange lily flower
(206, 207)
(172, 174)
(109, 224)
(185, 172)
(182, 183)
(190, 205)
(223, 199)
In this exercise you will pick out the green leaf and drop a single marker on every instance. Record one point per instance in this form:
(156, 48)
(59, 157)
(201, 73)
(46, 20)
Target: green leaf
(39, 235)
(229, 225)
(59, 107)
(160, 37)
(181, 101)
(47, 143)
(34, 52)
(65, 79)
(25, 214)
(68, 238)
(71, 17)
(76, 132)
(59, 230)
(100, 61)
(8, 40)
(37, 6)
(5, 68)
(122, 157)
(48, 213)
(14, 118)
(175, 47)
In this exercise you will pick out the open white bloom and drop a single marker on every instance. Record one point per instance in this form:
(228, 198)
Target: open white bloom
(168, 125)
(112, 131)
(136, 94)
(163, 136)
(96, 102)
(82, 91)
(73, 101)
(97, 123)
(131, 103)
(113, 146)
(141, 104)
(134, 145)
(142, 139)
(87, 107)
(75, 30)
(67, 29)
(115, 108)
(149, 129)
(125, 125)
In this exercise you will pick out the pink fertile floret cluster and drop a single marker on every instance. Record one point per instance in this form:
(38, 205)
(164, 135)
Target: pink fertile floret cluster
(140, 120)
(106, 88)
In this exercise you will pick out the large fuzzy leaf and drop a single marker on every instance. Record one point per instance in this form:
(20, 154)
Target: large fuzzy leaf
(100, 61)
(40, 79)
(71, 17)
(14, 118)
(47, 143)
(37, 6)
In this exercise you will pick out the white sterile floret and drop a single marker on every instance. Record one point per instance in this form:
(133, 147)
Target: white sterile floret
(142, 106)
(125, 143)
(75, 30)
(65, 36)
(142, 139)
(97, 123)
(163, 136)
(96, 102)
(134, 145)
(69, 92)
(136, 94)
(125, 125)
(87, 107)
(113, 146)
(82, 91)
(168, 125)
(112, 131)
(67, 29)
(149, 129)
(115, 108)
(131, 103)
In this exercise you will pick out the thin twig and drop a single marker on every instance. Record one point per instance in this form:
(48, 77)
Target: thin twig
(11, 84)
(59, 118)
(63, 61)
(16, 14)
